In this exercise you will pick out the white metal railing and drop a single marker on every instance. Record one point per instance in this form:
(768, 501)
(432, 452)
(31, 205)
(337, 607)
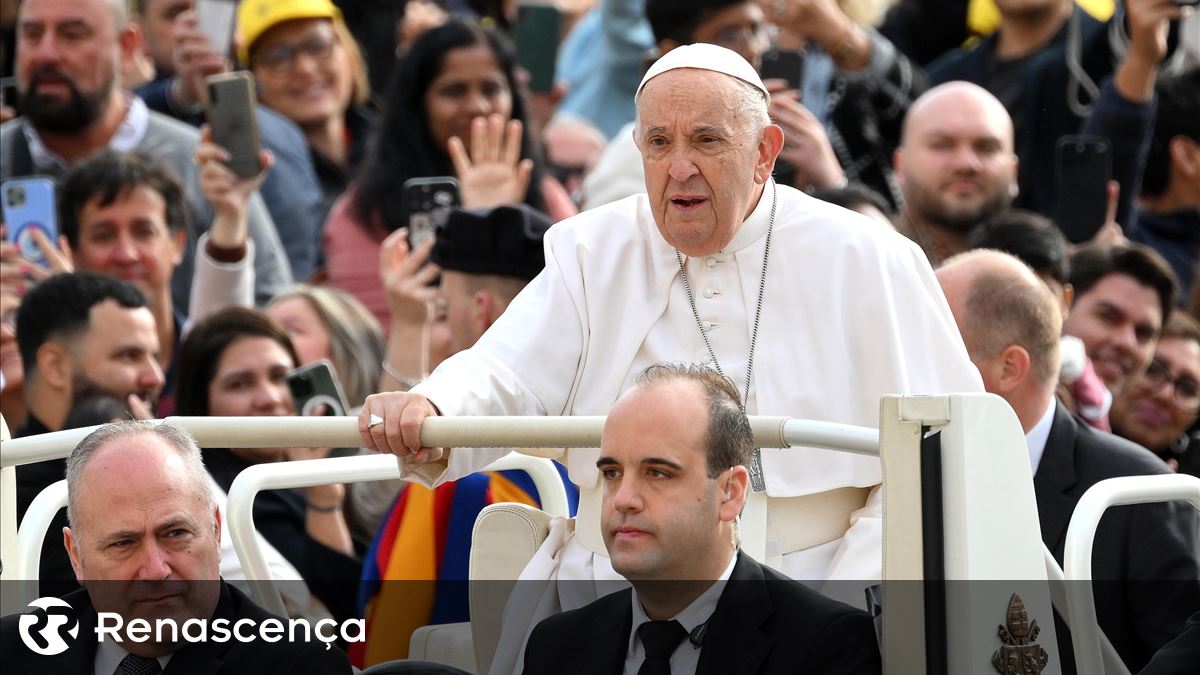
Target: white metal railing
(254, 479)
(450, 432)
(1058, 596)
(1081, 534)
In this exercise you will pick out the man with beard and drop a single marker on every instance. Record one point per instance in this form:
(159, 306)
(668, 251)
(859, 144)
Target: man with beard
(69, 54)
(78, 334)
(955, 166)
(153, 554)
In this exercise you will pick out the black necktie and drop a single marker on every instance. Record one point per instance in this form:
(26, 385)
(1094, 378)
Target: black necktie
(659, 640)
(138, 665)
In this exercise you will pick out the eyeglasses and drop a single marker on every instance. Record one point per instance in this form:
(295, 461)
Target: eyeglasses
(282, 57)
(743, 36)
(1186, 390)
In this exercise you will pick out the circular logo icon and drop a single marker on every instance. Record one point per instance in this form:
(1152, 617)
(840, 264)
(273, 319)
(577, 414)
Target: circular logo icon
(50, 627)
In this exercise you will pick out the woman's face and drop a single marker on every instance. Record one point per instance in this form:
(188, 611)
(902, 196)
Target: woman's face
(251, 380)
(309, 335)
(303, 71)
(469, 85)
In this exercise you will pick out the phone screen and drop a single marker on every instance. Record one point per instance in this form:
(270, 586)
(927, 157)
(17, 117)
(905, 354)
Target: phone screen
(1083, 171)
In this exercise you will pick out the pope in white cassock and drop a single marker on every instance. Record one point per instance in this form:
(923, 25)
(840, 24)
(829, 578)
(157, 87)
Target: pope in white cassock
(812, 310)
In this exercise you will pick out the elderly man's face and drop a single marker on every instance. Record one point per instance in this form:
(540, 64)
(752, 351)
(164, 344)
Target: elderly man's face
(143, 529)
(661, 512)
(705, 164)
(69, 54)
(1164, 402)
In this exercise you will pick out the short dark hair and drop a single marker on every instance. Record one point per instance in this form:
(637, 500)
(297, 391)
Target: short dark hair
(201, 351)
(677, 19)
(852, 195)
(1028, 236)
(111, 175)
(729, 441)
(1092, 263)
(1178, 114)
(60, 308)
(1181, 326)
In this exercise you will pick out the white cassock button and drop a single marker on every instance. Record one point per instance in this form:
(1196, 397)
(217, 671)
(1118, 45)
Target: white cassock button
(707, 325)
(708, 292)
(711, 262)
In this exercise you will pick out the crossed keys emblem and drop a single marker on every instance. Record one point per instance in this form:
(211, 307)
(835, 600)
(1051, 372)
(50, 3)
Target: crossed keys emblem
(1020, 654)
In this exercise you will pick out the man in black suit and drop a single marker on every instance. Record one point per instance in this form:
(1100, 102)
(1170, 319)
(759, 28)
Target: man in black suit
(144, 540)
(673, 456)
(1146, 560)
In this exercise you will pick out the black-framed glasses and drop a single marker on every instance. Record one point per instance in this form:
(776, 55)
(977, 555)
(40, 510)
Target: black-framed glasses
(1186, 390)
(282, 57)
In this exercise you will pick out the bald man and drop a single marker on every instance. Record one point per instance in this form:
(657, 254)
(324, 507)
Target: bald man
(1010, 322)
(955, 166)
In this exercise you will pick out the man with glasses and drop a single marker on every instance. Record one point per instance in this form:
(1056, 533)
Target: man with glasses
(1159, 407)
(1147, 557)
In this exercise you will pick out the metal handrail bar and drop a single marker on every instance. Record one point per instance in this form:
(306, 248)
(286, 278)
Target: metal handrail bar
(306, 473)
(1058, 598)
(450, 432)
(1081, 534)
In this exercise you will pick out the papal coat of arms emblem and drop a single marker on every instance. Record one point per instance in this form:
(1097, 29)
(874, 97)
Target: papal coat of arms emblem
(1020, 654)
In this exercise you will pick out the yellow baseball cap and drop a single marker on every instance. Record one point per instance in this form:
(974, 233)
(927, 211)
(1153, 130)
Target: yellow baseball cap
(256, 17)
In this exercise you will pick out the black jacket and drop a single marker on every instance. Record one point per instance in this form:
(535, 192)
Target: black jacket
(763, 623)
(209, 658)
(1146, 560)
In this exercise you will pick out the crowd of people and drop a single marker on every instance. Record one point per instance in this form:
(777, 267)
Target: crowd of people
(879, 219)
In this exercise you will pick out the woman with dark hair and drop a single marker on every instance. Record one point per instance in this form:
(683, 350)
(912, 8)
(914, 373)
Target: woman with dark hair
(455, 90)
(235, 363)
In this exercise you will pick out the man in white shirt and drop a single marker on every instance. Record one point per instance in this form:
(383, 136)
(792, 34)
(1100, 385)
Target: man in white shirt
(1147, 557)
(812, 310)
(673, 463)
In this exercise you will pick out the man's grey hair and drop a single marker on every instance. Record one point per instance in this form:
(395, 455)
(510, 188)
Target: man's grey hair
(178, 439)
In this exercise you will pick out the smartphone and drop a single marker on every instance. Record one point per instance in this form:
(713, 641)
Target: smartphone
(315, 385)
(234, 120)
(8, 92)
(28, 206)
(1083, 167)
(784, 64)
(536, 35)
(428, 202)
(215, 19)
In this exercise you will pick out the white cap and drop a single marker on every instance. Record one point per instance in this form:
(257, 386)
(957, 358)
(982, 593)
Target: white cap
(704, 56)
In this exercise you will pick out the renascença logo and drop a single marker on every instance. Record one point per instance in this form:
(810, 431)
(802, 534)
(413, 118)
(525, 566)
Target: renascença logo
(50, 628)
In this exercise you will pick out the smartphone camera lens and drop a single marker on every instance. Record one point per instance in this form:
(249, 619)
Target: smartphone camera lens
(302, 387)
(15, 196)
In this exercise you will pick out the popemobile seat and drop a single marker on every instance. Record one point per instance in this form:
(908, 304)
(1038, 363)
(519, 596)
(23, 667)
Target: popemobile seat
(503, 541)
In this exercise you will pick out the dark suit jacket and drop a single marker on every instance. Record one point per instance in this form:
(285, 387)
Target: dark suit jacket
(1181, 655)
(1146, 560)
(193, 659)
(763, 623)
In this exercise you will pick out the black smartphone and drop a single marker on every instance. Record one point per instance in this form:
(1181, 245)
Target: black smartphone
(8, 92)
(784, 64)
(315, 385)
(428, 202)
(1083, 167)
(233, 120)
(536, 35)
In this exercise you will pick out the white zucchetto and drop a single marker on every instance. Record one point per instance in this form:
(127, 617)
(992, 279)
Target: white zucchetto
(704, 56)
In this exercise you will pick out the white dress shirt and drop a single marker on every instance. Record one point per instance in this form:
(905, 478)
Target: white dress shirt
(1036, 439)
(686, 657)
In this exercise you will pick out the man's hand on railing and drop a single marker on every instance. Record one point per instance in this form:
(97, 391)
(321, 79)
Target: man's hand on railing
(397, 425)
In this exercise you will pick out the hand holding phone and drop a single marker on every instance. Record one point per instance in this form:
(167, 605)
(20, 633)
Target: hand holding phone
(31, 223)
(428, 202)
